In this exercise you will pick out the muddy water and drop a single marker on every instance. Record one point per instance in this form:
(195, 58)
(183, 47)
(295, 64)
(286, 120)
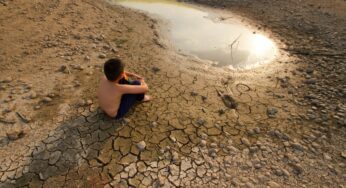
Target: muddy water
(227, 42)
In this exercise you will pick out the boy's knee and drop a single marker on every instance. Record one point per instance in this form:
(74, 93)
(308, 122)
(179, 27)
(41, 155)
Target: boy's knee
(136, 82)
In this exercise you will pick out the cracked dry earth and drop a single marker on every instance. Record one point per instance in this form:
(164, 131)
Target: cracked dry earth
(185, 137)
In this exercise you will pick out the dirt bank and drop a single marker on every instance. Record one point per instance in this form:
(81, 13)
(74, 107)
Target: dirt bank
(288, 129)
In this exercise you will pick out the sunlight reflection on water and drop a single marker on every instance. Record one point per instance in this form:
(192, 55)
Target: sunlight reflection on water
(194, 32)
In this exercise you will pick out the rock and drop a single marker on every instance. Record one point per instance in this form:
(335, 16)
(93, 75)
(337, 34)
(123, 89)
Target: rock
(203, 143)
(89, 102)
(212, 152)
(343, 154)
(3, 141)
(213, 145)
(221, 111)
(309, 70)
(141, 145)
(102, 56)
(193, 93)
(173, 138)
(232, 149)
(310, 81)
(278, 172)
(87, 58)
(249, 185)
(154, 124)
(47, 99)
(15, 135)
(271, 112)
(63, 68)
(273, 184)
(7, 80)
(297, 146)
(257, 130)
(33, 95)
(245, 141)
(203, 136)
(155, 69)
(204, 98)
(297, 169)
(200, 121)
(175, 156)
(327, 157)
(114, 50)
(285, 173)
(81, 103)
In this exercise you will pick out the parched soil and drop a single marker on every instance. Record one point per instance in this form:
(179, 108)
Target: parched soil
(287, 129)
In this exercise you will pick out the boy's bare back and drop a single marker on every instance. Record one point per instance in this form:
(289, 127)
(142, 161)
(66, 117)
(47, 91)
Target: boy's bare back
(109, 97)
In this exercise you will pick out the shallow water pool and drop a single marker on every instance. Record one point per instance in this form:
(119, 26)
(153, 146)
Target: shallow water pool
(196, 32)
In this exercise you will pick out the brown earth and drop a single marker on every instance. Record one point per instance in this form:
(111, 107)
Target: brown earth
(288, 129)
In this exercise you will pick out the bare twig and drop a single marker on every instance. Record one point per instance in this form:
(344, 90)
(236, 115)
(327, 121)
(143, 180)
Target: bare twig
(231, 46)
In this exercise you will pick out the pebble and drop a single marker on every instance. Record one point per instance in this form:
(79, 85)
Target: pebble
(327, 157)
(309, 70)
(232, 149)
(175, 156)
(245, 141)
(343, 154)
(297, 169)
(273, 184)
(193, 93)
(310, 81)
(89, 102)
(33, 95)
(257, 130)
(249, 185)
(155, 69)
(200, 122)
(15, 135)
(271, 112)
(221, 111)
(203, 136)
(203, 143)
(213, 145)
(63, 68)
(212, 152)
(47, 99)
(7, 80)
(102, 56)
(297, 146)
(141, 145)
(81, 102)
(285, 173)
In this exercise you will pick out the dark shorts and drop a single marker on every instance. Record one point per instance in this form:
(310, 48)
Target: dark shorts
(128, 100)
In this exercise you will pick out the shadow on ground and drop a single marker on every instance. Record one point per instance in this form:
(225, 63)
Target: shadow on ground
(75, 142)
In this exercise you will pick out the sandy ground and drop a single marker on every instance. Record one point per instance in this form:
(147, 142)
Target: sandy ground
(288, 129)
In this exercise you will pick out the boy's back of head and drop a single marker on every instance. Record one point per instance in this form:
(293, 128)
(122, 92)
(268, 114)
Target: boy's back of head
(113, 68)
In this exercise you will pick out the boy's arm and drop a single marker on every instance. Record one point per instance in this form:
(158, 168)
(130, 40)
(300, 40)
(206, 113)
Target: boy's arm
(134, 89)
(132, 74)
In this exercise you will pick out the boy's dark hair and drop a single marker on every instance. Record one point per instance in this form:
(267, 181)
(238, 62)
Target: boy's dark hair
(113, 68)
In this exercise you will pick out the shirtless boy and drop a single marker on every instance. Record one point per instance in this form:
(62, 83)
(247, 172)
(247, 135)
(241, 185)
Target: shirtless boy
(119, 90)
